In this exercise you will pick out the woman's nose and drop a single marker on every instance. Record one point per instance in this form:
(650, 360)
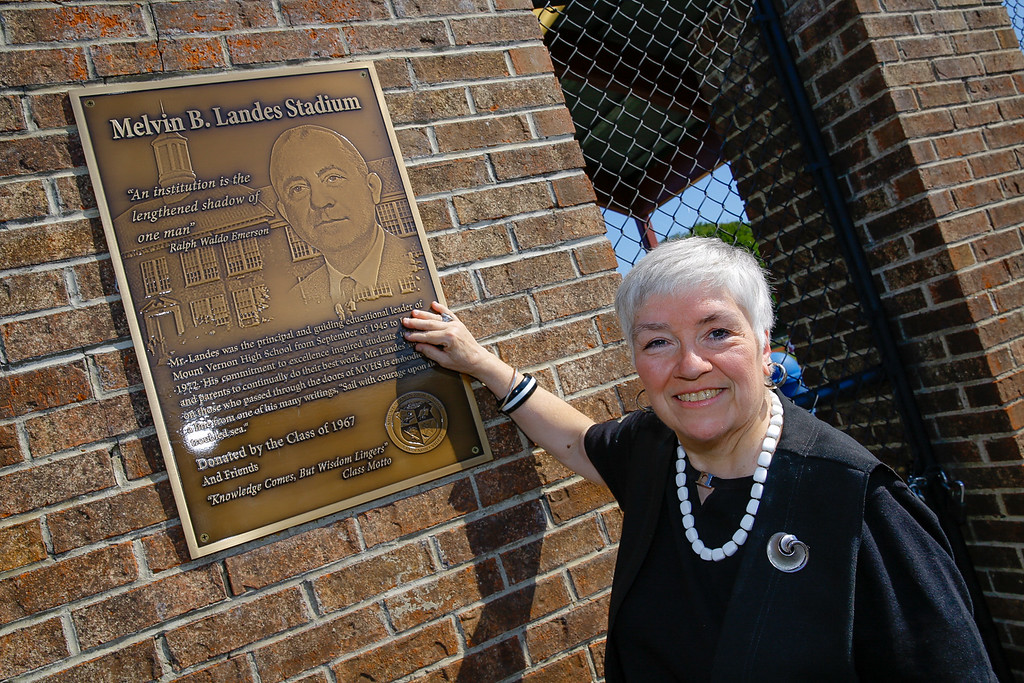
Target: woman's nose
(691, 364)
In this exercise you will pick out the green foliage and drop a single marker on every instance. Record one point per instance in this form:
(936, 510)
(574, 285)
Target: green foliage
(733, 233)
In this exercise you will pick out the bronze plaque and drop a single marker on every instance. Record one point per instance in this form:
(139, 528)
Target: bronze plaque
(266, 242)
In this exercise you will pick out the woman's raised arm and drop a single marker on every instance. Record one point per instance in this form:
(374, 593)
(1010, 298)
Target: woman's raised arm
(549, 421)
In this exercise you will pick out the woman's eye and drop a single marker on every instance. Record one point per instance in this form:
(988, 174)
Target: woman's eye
(720, 333)
(654, 343)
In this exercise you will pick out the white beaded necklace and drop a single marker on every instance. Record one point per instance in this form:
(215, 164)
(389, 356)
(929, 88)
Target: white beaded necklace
(771, 441)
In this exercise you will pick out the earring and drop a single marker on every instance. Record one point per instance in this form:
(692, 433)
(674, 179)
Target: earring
(777, 375)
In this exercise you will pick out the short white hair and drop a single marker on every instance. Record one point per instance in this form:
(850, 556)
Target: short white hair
(697, 264)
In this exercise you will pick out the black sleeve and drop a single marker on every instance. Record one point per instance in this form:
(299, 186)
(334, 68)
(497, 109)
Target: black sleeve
(609, 447)
(912, 613)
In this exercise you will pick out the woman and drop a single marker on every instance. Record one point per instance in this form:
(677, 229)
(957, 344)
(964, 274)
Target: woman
(758, 543)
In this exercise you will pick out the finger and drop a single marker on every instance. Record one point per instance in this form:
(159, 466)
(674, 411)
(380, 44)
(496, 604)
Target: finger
(442, 311)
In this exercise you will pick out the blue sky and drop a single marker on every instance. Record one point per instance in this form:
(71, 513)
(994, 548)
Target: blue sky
(712, 199)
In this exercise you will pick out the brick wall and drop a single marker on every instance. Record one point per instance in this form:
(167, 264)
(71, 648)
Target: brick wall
(500, 572)
(922, 106)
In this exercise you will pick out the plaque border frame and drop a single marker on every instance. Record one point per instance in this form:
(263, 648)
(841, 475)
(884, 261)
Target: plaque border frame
(196, 551)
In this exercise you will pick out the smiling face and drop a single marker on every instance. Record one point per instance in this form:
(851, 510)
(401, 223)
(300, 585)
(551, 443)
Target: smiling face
(704, 368)
(325, 191)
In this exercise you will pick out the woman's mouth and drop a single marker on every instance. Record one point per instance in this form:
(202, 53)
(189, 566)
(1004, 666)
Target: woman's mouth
(696, 396)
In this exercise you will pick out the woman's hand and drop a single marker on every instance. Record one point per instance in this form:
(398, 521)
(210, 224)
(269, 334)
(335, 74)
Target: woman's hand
(548, 420)
(442, 338)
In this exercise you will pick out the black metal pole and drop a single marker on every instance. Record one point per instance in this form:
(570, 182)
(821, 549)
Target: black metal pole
(925, 462)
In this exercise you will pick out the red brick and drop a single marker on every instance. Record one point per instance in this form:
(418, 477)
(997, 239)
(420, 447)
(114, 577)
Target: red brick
(573, 190)
(64, 331)
(67, 581)
(449, 175)
(583, 623)
(559, 547)
(56, 24)
(292, 556)
(532, 59)
(459, 67)
(54, 242)
(553, 122)
(501, 202)
(577, 297)
(10, 448)
(577, 498)
(434, 215)
(556, 227)
(31, 647)
(166, 549)
(136, 662)
(470, 246)
(11, 117)
(372, 577)
(490, 28)
(497, 317)
(172, 18)
(459, 288)
(111, 516)
(82, 424)
(407, 35)
(19, 201)
(596, 258)
(54, 482)
(427, 106)
(414, 142)
(443, 594)
(42, 67)
(282, 46)
(487, 534)
(392, 73)
(117, 369)
(549, 343)
(402, 656)
(300, 12)
(593, 575)
(320, 644)
(42, 154)
(596, 369)
(516, 477)
(29, 292)
(419, 8)
(508, 612)
(416, 513)
(234, 670)
(147, 56)
(496, 662)
(21, 545)
(52, 110)
(537, 160)
(149, 605)
(140, 457)
(571, 668)
(605, 404)
(521, 93)
(527, 273)
(481, 133)
(233, 629)
(48, 387)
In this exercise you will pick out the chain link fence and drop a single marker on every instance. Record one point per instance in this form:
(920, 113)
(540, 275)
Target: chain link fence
(1015, 8)
(685, 130)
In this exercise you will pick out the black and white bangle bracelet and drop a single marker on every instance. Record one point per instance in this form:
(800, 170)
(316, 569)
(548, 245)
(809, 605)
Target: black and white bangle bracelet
(518, 394)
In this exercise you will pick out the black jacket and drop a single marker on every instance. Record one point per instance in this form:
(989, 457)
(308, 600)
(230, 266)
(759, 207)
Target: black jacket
(801, 626)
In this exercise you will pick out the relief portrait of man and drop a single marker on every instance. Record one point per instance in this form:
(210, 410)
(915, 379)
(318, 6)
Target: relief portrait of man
(328, 196)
